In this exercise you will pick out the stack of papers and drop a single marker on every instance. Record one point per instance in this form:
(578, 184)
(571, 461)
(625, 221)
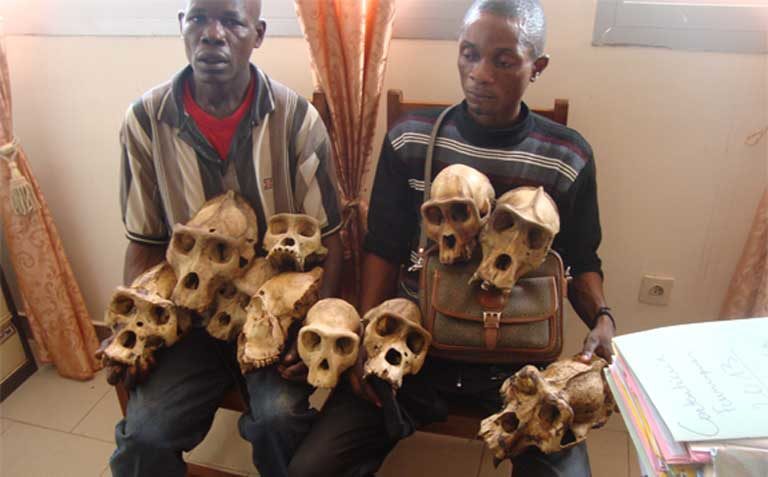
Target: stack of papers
(695, 397)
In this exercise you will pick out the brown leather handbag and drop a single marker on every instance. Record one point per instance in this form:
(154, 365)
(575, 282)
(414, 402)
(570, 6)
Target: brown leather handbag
(473, 325)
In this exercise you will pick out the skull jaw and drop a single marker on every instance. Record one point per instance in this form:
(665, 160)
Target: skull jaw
(491, 276)
(461, 251)
(290, 258)
(393, 374)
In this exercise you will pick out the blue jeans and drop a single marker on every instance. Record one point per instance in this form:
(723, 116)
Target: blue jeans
(173, 410)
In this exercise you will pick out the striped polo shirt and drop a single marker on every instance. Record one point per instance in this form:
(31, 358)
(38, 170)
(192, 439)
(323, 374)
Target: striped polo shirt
(533, 152)
(279, 160)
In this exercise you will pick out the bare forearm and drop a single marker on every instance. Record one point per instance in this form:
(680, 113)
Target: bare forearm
(332, 266)
(379, 281)
(140, 258)
(585, 292)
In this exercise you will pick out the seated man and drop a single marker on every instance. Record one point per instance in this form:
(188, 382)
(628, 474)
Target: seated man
(221, 124)
(500, 54)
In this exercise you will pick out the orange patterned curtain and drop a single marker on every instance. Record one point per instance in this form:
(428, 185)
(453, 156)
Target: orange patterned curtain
(52, 299)
(748, 294)
(348, 42)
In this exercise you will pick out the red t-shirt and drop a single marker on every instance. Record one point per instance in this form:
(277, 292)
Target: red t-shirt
(218, 131)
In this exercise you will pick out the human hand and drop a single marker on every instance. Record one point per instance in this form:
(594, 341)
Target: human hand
(598, 341)
(360, 386)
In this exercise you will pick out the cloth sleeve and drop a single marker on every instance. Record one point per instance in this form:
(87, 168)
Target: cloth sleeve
(391, 221)
(316, 183)
(140, 200)
(581, 234)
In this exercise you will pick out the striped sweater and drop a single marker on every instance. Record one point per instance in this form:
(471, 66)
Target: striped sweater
(534, 152)
(279, 160)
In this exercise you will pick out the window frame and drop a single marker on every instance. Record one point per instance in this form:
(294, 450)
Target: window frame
(717, 28)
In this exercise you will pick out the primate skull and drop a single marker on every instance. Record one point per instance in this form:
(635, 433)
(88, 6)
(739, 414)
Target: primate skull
(461, 200)
(329, 341)
(517, 237)
(233, 297)
(144, 319)
(551, 409)
(394, 341)
(282, 300)
(217, 245)
(293, 242)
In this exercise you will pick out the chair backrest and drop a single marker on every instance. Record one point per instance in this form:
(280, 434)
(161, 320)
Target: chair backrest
(397, 107)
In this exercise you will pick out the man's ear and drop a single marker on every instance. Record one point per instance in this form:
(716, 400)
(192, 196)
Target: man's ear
(261, 31)
(540, 64)
(181, 15)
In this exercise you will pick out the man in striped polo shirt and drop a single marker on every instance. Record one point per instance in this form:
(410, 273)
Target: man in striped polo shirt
(220, 124)
(500, 54)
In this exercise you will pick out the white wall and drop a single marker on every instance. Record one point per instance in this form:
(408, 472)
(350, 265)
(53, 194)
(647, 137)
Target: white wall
(678, 186)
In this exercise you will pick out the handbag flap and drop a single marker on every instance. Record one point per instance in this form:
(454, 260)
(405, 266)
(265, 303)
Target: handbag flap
(532, 299)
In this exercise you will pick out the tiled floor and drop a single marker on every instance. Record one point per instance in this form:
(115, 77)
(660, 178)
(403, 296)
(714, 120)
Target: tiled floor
(53, 427)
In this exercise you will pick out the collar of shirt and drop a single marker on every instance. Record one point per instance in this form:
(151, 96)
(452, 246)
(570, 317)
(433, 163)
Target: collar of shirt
(483, 136)
(172, 110)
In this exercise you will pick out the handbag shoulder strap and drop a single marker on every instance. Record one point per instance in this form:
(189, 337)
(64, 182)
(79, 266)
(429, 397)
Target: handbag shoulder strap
(428, 169)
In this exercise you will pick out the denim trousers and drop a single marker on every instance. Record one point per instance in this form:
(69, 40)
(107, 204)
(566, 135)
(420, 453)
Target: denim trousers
(172, 411)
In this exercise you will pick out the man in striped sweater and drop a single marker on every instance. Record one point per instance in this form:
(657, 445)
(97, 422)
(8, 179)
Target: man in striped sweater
(220, 124)
(500, 53)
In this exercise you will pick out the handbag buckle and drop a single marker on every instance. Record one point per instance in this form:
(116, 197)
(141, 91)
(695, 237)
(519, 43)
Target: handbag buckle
(492, 319)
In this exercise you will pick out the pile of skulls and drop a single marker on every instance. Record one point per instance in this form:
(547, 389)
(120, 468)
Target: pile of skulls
(551, 409)
(515, 232)
(213, 275)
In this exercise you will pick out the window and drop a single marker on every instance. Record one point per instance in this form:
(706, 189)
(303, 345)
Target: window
(707, 25)
(432, 19)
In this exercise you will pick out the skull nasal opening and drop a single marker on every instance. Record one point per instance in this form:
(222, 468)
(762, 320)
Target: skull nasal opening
(393, 357)
(449, 241)
(503, 262)
(191, 281)
(288, 242)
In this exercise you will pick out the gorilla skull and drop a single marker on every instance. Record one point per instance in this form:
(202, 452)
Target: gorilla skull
(461, 199)
(144, 318)
(329, 341)
(394, 340)
(552, 410)
(294, 242)
(517, 237)
(217, 245)
(278, 303)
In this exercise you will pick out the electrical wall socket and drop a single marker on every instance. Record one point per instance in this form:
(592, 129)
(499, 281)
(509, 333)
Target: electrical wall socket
(655, 290)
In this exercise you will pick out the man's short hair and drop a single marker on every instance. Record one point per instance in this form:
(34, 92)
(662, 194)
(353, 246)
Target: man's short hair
(528, 14)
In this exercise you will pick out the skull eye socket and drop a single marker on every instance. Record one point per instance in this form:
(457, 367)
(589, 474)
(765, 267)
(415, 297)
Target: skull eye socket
(387, 325)
(509, 422)
(160, 315)
(415, 342)
(459, 213)
(227, 291)
(184, 243)
(306, 229)
(278, 227)
(503, 221)
(221, 252)
(549, 413)
(536, 238)
(434, 215)
(344, 346)
(123, 305)
(310, 340)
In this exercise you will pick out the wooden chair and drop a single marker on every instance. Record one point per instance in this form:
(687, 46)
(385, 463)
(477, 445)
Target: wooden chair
(463, 420)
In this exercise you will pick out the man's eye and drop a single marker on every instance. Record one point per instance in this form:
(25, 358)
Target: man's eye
(229, 23)
(197, 19)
